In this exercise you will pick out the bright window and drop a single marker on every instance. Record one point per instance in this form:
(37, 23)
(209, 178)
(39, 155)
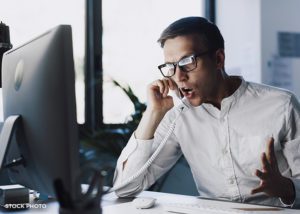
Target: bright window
(30, 18)
(130, 51)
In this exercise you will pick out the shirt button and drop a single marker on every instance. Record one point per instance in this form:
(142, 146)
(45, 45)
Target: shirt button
(231, 180)
(222, 120)
(225, 151)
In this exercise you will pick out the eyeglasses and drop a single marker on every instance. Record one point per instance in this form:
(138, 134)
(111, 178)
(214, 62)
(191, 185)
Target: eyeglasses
(186, 64)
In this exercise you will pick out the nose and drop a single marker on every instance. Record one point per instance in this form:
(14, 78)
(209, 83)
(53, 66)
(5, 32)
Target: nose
(180, 75)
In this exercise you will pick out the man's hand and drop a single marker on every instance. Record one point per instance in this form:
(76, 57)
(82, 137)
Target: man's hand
(157, 95)
(272, 182)
(158, 103)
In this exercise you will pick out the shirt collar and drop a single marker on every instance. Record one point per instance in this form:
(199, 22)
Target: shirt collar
(227, 102)
(238, 92)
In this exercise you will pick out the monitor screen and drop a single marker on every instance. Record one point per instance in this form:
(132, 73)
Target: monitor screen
(38, 83)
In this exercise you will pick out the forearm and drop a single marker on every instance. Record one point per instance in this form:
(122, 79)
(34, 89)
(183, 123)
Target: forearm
(135, 154)
(148, 124)
(147, 128)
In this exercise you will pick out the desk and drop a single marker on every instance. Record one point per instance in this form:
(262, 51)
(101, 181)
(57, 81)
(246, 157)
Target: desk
(113, 205)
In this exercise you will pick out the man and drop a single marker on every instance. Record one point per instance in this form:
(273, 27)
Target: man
(240, 139)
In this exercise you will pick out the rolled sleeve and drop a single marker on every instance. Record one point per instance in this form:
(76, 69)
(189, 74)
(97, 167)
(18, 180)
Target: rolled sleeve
(291, 148)
(140, 155)
(137, 150)
(136, 154)
(296, 202)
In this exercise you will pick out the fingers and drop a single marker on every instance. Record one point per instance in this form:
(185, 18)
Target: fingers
(269, 148)
(270, 176)
(271, 151)
(258, 189)
(261, 175)
(271, 157)
(265, 164)
(164, 85)
(263, 181)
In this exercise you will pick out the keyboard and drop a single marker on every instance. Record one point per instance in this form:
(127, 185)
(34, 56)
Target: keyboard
(185, 208)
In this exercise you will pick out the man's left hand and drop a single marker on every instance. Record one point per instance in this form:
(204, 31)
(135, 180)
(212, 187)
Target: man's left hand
(271, 181)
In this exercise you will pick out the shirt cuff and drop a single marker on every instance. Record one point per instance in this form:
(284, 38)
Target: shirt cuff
(296, 202)
(286, 205)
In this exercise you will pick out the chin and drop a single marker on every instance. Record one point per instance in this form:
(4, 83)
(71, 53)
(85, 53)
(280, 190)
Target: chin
(196, 102)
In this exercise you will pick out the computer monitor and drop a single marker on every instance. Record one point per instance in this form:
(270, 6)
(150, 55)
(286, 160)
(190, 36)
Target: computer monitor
(38, 83)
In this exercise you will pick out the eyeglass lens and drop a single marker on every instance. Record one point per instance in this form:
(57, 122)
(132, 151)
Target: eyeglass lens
(185, 64)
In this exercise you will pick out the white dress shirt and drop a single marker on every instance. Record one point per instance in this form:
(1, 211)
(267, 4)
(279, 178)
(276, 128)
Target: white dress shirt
(223, 147)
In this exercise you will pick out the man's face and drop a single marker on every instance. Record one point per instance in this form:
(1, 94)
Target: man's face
(201, 84)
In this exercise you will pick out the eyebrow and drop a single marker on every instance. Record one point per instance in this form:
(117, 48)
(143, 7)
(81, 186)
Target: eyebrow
(184, 56)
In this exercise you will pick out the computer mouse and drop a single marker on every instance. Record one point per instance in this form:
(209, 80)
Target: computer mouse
(143, 202)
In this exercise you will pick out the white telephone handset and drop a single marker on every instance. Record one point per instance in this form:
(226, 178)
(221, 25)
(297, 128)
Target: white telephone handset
(182, 105)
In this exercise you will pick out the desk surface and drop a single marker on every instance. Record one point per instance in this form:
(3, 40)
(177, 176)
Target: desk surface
(113, 205)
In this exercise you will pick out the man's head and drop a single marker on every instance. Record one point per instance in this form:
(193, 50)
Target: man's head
(209, 32)
(194, 48)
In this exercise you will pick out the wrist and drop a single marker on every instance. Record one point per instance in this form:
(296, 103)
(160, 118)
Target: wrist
(148, 124)
(155, 113)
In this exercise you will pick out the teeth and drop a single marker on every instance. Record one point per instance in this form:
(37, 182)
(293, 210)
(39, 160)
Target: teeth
(187, 90)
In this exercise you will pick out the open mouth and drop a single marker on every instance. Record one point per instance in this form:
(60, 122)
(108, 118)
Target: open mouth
(186, 90)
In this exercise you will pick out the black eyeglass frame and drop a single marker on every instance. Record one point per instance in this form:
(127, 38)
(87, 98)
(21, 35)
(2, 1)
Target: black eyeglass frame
(194, 56)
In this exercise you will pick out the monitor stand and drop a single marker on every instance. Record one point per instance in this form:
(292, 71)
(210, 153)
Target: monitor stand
(10, 194)
(87, 203)
(6, 133)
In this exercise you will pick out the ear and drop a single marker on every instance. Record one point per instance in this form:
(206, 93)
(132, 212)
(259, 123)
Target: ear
(220, 59)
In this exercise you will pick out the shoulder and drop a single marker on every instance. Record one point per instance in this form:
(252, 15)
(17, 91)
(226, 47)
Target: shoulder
(268, 92)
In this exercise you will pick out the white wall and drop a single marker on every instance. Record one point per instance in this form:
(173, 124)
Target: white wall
(279, 16)
(250, 30)
(239, 23)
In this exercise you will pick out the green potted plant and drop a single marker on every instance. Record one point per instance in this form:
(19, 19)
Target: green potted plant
(104, 147)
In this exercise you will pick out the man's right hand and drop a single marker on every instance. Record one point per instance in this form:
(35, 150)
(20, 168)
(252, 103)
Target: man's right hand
(157, 94)
(158, 104)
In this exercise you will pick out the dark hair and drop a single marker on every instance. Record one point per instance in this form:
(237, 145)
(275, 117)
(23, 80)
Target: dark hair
(210, 33)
